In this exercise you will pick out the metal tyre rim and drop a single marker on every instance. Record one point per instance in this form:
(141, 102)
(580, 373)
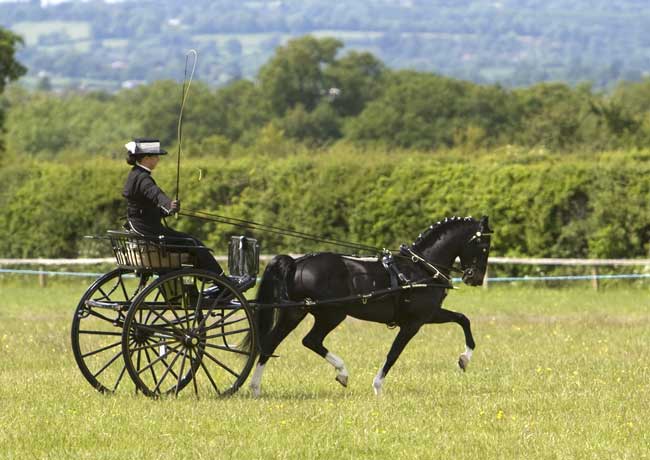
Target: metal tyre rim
(96, 329)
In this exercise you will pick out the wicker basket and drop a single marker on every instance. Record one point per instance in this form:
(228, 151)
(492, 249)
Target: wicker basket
(135, 251)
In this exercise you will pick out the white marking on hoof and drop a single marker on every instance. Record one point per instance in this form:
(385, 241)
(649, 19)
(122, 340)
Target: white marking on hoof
(256, 380)
(378, 382)
(339, 365)
(464, 358)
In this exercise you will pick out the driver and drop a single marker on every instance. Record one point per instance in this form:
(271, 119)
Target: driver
(147, 204)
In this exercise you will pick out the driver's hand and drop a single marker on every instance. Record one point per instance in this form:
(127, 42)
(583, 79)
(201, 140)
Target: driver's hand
(175, 206)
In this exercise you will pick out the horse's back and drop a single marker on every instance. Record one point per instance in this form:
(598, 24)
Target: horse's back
(328, 275)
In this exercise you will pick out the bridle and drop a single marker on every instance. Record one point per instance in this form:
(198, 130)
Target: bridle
(481, 240)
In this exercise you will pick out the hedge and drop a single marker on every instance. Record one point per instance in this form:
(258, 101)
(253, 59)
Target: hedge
(539, 205)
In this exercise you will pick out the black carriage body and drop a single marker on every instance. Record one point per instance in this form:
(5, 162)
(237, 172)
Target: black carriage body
(243, 256)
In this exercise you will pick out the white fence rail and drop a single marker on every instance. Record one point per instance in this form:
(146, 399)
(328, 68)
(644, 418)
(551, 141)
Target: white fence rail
(593, 263)
(266, 258)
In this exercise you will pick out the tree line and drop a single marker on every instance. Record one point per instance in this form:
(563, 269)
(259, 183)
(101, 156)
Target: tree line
(310, 95)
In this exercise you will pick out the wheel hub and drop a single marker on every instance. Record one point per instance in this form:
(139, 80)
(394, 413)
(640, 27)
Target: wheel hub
(190, 339)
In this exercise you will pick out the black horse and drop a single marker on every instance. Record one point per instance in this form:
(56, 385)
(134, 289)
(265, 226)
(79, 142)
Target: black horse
(318, 278)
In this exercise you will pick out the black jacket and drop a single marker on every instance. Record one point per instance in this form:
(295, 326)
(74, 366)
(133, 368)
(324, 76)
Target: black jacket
(147, 204)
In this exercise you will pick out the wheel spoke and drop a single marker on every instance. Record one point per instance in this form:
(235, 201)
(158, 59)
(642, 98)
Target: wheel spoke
(220, 323)
(214, 305)
(121, 282)
(153, 363)
(100, 333)
(153, 373)
(180, 374)
(192, 370)
(230, 350)
(207, 373)
(108, 347)
(198, 302)
(166, 321)
(219, 363)
(224, 334)
(112, 360)
(157, 388)
(119, 378)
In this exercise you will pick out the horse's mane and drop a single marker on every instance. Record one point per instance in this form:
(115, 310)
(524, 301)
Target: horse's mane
(436, 230)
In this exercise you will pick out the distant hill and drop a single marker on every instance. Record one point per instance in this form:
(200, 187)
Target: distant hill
(514, 42)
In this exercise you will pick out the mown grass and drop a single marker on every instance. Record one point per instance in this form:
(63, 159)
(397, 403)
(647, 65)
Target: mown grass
(556, 374)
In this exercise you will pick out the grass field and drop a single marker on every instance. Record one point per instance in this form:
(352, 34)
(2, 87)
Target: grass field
(557, 374)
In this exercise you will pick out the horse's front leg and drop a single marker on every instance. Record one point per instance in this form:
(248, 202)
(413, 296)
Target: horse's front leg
(447, 316)
(405, 334)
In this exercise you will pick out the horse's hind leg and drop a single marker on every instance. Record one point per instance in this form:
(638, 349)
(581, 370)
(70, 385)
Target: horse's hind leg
(324, 323)
(287, 322)
(448, 316)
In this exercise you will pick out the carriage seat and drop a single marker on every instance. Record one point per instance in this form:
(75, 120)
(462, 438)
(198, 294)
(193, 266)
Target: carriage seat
(148, 252)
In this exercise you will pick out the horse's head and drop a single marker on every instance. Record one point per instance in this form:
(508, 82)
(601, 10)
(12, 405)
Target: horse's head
(474, 254)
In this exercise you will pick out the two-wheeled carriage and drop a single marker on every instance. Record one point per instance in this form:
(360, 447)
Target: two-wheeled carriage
(165, 323)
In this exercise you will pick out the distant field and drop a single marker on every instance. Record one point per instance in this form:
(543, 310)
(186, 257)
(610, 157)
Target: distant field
(557, 374)
(32, 30)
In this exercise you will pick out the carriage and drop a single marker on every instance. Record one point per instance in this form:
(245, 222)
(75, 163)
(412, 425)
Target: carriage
(161, 321)
(171, 326)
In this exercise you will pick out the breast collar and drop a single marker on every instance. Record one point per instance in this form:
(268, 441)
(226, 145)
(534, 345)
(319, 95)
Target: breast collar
(430, 268)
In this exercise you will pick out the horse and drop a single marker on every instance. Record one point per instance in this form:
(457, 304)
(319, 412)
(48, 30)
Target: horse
(333, 286)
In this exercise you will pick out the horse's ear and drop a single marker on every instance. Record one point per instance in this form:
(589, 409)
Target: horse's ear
(483, 225)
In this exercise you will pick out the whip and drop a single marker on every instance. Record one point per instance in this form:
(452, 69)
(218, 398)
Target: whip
(184, 94)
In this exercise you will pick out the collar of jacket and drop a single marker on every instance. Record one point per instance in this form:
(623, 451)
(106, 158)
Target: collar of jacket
(143, 167)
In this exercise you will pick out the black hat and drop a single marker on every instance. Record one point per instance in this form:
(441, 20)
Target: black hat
(145, 147)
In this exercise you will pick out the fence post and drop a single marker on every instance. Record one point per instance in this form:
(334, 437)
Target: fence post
(594, 280)
(42, 278)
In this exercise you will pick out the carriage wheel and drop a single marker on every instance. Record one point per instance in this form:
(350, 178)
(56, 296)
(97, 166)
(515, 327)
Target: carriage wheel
(189, 325)
(97, 328)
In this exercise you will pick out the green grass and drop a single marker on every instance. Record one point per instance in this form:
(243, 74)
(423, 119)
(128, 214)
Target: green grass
(558, 374)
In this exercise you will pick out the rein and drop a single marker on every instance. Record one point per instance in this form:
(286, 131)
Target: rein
(251, 225)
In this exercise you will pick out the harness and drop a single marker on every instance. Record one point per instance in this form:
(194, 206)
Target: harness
(434, 271)
(402, 285)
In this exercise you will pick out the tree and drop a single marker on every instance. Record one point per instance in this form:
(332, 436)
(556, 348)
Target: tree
(295, 74)
(10, 69)
(358, 76)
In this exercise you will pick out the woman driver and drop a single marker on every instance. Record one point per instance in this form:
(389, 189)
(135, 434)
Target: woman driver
(147, 204)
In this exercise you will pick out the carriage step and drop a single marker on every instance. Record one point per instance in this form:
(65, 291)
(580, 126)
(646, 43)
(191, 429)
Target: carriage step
(119, 306)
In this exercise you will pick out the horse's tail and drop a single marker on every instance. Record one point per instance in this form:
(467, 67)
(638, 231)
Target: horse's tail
(273, 288)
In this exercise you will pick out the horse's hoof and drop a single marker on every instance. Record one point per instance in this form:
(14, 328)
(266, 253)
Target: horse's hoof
(343, 380)
(255, 391)
(463, 362)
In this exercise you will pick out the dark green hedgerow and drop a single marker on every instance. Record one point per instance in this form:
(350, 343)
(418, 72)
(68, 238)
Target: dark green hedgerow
(539, 205)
